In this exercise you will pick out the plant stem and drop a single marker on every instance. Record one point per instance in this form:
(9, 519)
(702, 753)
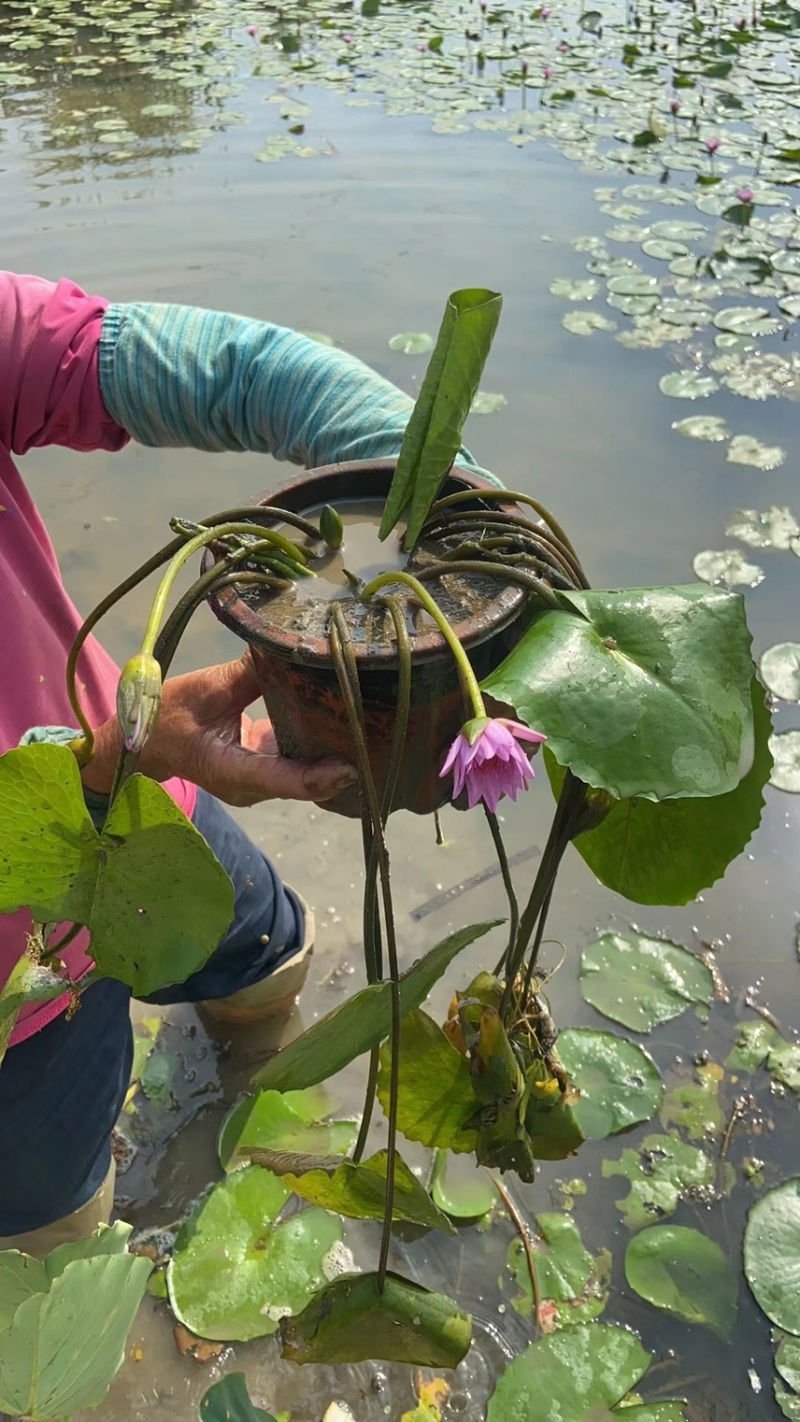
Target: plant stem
(524, 1234)
(508, 496)
(508, 883)
(508, 519)
(491, 570)
(69, 936)
(537, 943)
(468, 677)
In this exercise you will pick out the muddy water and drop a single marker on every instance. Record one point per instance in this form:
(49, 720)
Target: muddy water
(362, 239)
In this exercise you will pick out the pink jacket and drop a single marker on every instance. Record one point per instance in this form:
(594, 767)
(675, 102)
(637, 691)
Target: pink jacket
(49, 394)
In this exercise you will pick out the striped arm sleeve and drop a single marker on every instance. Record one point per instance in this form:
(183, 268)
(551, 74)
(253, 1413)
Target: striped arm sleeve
(181, 376)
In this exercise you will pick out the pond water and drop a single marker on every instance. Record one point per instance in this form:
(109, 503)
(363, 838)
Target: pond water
(340, 170)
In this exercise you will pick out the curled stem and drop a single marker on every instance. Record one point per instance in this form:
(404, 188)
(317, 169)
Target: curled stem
(508, 496)
(491, 570)
(469, 680)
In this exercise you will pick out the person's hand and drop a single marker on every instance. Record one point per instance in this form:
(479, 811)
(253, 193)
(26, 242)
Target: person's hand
(203, 735)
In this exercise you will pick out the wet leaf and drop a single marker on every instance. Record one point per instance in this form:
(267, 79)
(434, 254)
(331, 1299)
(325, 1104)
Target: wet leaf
(436, 1097)
(686, 1274)
(743, 449)
(747, 321)
(584, 323)
(753, 1046)
(289, 1120)
(774, 528)
(667, 851)
(710, 427)
(485, 403)
(687, 385)
(787, 1364)
(694, 1106)
(229, 1401)
(361, 1023)
(627, 698)
(618, 1081)
(359, 1191)
(573, 1286)
(661, 1171)
(727, 566)
(663, 251)
(235, 1272)
(352, 1321)
(28, 982)
(571, 290)
(570, 1375)
(780, 670)
(412, 343)
(785, 749)
(157, 1074)
(772, 1254)
(460, 1187)
(641, 981)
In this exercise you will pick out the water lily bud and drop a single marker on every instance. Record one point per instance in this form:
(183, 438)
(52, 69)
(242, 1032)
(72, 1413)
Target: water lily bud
(331, 527)
(138, 700)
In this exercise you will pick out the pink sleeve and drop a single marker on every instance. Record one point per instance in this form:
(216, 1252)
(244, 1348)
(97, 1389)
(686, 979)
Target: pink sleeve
(49, 382)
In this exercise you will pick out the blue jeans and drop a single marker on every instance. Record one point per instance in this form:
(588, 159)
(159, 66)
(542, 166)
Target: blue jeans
(61, 1091)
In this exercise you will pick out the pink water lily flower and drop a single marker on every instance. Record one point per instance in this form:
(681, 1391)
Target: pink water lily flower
(487, 758)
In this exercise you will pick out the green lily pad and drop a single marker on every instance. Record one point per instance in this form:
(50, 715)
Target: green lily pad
(662, 250)
(352, 1321)
(710, 427)
(229, 1401)
(289, 1120)
(754, 1044)
(727, 566)
(583, 323)
(570, 1375)
(618, 1081)
(634, 285)
(744, 449)
(694, 1106)
(675, 230)
(687, 385)
(412, 342)
(460, 1187)
(776, 527)
(685, 1273)
(486, 403)
(573, 1286)
(641, 981)
(747, 321)
(780, 670)
(787, 1365)
(784, 1063)
(661, 1171)
(235, 1272)
(581, 290)
(772, 1254)
(785, 749)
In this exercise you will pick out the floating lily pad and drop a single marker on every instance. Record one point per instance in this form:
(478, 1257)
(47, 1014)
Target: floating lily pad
(460, 1187)
(785, 748)
(780, 670)
(573, 1286)
(694, 1106)
(687, 385)
(663, 251)
(772, 1254)
(583, 323)
(744, 449)
(618, 1081)
(747, 321)
(774, 528)
(676, 230)
(581, 290)
(236, 1272)
(710, 427)
(661, 1172)
(283, 1120)
(486, 403)
(728, 566)
(641, 981)
(412, 342)
(685, 1273)
(634, 284)
(787, 1365)
(754, 1044)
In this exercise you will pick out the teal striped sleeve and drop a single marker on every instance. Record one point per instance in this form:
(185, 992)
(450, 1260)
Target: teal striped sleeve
(181, 376)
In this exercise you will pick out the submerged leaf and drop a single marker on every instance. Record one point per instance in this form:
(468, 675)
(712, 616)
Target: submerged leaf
(642, 981)
(573, 1286)
(618, 1081)
(694, 1106)
(228, 1401)
(661, 1171)
(351, 1321)
(460, 1187)
(685, 1273)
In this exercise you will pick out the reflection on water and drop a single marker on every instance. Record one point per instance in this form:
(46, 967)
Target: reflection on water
(127, 144)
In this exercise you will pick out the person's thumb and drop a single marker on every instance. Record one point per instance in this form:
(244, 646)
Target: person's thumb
(234, 687)
(244, 777)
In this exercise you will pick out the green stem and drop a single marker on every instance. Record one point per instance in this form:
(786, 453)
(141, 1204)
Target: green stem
(57, 948)
(468, 677)
(508, 884)
(509, 496)
(491, 570)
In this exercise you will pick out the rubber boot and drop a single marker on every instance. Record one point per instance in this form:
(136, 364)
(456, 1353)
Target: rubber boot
(272, 995)
(79, 1225)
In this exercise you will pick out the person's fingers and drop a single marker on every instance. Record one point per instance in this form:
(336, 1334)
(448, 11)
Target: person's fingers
(226, 689)
(244, 777)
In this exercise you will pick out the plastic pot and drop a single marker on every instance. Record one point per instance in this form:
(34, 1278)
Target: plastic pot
(298, 679)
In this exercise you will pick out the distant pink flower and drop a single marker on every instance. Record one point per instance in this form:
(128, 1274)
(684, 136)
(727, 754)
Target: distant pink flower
(348, 39)
(675, 106)
(563, 47)
(421, 48)
(251, 30)
(487, 759)
(544, 13)
(712, 144)
(745, 195)
(741, 24)
(547, 73)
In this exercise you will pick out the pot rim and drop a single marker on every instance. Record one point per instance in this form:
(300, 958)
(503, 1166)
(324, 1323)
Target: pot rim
(246, 622)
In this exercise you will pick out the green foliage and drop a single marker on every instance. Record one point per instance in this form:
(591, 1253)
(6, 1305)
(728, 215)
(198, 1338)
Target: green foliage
(772, 1254)
(433, 434)
(685, 1273)
(618, 1081)
(362, 1022)
(642, 692)
(460, 1188)
(352, 1320)
(229, 1401)
(668, 851)
(29, 981)
(641, 981)
(436, 1099)
(236, 1272)
(787, 1365)
(694, 1106)
(290, 1120)
(359, 1191)
(573, 1286)
(149, 889)
(64, 1323)
(661, 1171)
